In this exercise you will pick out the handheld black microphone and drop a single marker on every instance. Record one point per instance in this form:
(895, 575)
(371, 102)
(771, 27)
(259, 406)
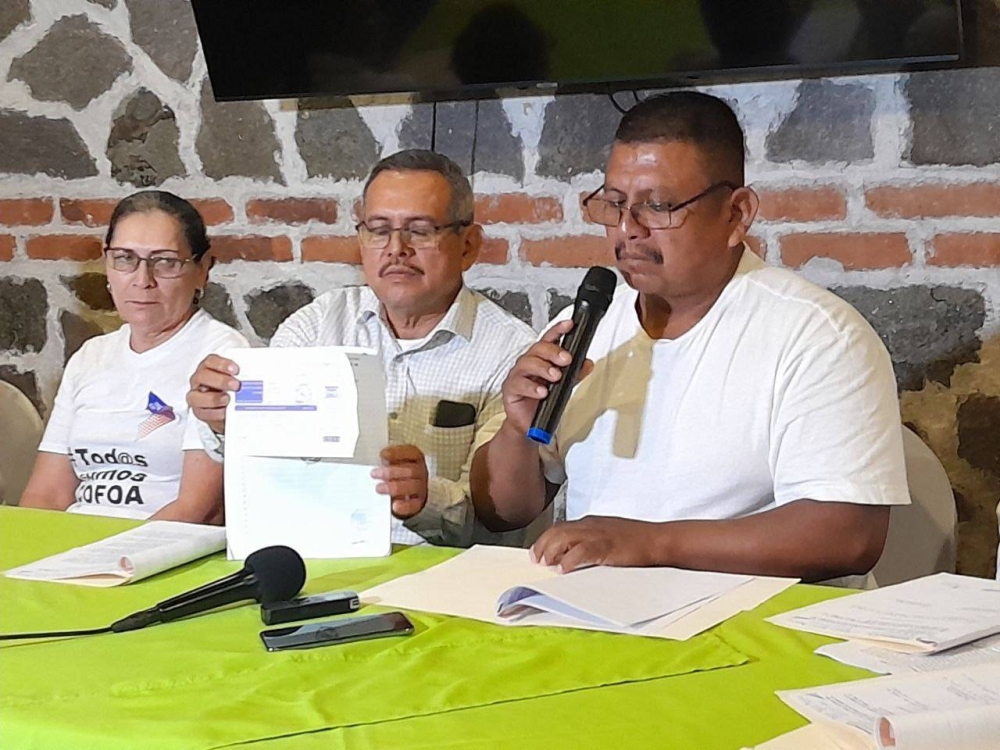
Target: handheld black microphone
(270, 574)
(592, 301)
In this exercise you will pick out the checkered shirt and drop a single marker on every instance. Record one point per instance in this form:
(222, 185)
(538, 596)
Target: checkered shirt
(465, 359)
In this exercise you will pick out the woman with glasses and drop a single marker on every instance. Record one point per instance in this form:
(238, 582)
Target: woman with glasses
(120, 440)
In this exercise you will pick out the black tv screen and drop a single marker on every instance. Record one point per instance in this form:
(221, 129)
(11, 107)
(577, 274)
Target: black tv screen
(259, 49)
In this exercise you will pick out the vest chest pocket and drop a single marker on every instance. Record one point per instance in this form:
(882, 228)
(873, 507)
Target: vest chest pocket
(446, 449)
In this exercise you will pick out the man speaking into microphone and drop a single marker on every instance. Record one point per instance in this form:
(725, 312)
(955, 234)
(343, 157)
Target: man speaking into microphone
(732, 416)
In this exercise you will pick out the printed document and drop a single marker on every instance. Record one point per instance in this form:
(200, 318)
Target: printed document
(885, 661)
(954, 709)
(129, 556)
(501, 585)
(302, 436)
(928, 614)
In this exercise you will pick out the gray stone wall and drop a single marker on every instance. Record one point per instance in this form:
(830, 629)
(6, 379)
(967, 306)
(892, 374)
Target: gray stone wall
(884, 188)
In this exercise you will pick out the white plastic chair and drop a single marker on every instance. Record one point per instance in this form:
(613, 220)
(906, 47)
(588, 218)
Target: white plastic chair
(20, 433)
(921, 537)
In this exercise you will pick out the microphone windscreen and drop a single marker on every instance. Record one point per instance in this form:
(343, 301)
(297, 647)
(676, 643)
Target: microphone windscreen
(279, 570)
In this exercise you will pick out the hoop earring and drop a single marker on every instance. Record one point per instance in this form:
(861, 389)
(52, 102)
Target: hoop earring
(198, 294)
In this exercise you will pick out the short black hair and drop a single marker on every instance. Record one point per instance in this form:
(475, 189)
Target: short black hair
(690, 117)
(146, 201)
(461, 205)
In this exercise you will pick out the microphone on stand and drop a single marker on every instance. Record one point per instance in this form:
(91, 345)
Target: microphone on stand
(592, 301)
(270, 574)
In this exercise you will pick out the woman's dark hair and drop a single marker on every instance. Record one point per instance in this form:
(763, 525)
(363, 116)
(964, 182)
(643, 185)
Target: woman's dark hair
(145, 201)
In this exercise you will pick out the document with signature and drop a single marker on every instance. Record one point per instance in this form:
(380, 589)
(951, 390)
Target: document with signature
(927, 615)
(302, 436)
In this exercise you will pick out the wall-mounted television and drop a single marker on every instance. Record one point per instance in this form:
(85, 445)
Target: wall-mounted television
(258, 49)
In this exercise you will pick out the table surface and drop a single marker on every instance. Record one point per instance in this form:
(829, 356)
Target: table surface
(207, 682)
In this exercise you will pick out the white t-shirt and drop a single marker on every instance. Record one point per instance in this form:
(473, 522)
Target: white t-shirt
(122, 417)
(781, 392)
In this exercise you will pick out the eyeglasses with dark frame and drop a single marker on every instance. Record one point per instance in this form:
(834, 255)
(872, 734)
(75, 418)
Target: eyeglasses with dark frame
(649, 214)
(124, 260)
(420, 235)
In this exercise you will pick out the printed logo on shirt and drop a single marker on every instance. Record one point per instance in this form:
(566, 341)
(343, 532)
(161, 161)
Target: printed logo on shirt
(113, 477)
(159, 414)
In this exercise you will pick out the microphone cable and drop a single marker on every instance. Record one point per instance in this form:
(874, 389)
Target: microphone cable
(270, 574)
(55, 634)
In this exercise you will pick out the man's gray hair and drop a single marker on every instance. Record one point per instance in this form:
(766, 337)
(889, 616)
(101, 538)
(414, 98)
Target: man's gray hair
(461, 205)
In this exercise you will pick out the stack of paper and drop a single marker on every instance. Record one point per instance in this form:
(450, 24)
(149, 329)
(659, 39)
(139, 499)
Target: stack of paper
(926, 615)
(130, 556)
(935, 635)
(948, 710)
(501, 585)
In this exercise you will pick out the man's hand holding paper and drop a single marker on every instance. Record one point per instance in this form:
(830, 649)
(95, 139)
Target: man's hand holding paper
(403, 477)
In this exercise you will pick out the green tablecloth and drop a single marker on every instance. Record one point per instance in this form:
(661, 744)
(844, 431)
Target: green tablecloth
(208, 683)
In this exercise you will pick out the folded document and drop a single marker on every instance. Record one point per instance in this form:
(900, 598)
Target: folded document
(129, 556)
(501, 585)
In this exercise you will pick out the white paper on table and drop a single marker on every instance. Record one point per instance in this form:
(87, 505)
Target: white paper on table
(467, 585)
(928, 614)
(886, 661)
(315, 499)
(490, 584)
(624, 597)
(818, 737)
(129, 556)
(751, 594)
(862, 706)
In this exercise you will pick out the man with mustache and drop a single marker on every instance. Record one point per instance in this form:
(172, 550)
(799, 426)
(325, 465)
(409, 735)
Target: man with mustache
(445, 348)
(733, 417)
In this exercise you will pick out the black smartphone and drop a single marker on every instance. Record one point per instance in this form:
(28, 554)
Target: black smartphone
(453, 414)
(341, 630)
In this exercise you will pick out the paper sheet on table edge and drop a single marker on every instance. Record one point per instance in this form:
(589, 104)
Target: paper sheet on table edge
(818, 736)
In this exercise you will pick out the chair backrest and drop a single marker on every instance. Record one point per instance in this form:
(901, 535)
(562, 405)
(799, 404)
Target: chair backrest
(20, 433)
(921, 538)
